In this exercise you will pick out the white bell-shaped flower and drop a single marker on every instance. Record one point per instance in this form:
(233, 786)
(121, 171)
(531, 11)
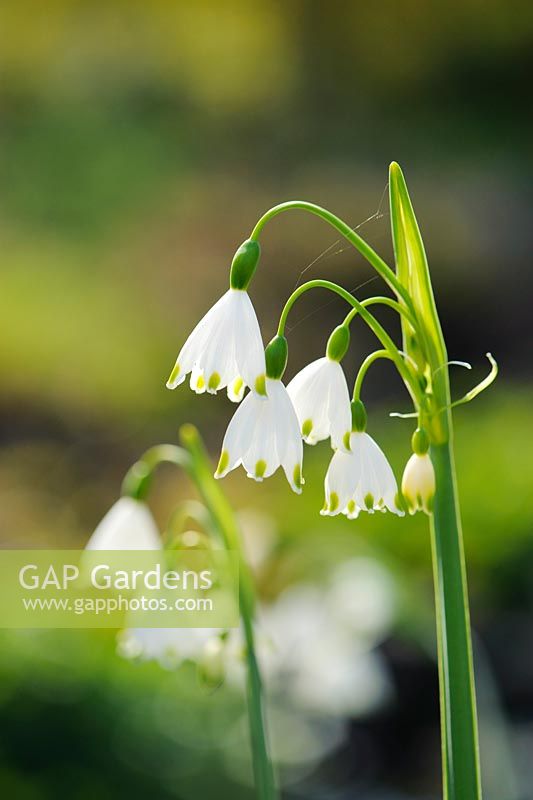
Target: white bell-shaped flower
(320, 397)
(224, 350)
(128, 525)
(361, 480)
(263, 435)
(418, 483)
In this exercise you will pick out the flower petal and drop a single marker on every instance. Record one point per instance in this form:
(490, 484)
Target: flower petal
(128, 525)
(224, 349)
(338, 406)
(238, 436)
(322, 403)
(308, 391)
(249, 349)
(341, 481)
(260, 459)
(263, 434)
(289, 440)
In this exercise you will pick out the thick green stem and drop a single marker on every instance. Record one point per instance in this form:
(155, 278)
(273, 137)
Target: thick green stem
(461, 775)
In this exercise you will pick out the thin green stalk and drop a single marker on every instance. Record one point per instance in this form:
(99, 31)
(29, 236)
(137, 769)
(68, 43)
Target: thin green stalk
(461, 774)
(363, 369)
(193, 459)
(224, 518)
(383, 301)
(381, 267)
(370, 320)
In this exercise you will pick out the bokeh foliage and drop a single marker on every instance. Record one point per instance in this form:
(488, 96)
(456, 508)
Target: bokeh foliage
(139, 142)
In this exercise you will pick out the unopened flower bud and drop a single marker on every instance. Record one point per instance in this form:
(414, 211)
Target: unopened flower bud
(244, 264)
(276, 354)
(420, 442)
(338, 343)
(418, 483)
(358, 416)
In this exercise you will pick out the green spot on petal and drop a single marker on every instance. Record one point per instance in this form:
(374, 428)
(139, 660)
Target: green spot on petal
(260, 385)
(174, 374)
(333, 501)
(346, 440)
(200, 382)
(408, 502)
(297, 476)
(307, 427)
(351, 506)
(260, 468)
(237, 385)
(214, 381)
(223, 462)
(369, 501)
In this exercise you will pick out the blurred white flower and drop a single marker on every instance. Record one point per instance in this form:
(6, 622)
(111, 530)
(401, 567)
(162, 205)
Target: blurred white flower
(262, 435)
(361, 480)
(316, 656)
(418, 483)
(225, 349)
(315, 646)
(298, 740)
(321, 400)
(363, 598)
(259, 536)
(169, 646)
(340, 678)
(128, 525)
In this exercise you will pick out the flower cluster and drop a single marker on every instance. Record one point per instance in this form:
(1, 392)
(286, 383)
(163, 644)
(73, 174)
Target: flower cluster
(267, 431)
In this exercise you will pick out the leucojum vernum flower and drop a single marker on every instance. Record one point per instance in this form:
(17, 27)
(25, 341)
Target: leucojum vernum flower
(273, 421)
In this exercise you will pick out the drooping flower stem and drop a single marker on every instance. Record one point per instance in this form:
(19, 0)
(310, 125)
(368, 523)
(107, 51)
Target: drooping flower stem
(383, 301)
(363, 369)
(375, 326)
(381, 267)
(193, 459)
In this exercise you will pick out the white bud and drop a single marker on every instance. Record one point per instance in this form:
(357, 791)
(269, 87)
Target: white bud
(418, 483)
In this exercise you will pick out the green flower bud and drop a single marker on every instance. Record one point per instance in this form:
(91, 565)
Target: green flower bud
(420, 442)
(276, 354)
(244, 263)
(358, 416)
(338, 343)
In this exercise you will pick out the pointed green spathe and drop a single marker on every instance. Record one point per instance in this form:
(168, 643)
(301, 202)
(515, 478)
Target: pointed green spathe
(429, 483)
(426, 347)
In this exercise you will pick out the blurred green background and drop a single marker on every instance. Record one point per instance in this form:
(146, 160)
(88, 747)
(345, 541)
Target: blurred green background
(139, 143)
